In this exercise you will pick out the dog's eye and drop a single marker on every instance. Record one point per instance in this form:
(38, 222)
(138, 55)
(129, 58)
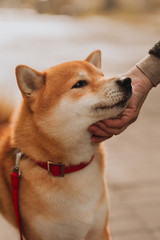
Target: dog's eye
(79, 84)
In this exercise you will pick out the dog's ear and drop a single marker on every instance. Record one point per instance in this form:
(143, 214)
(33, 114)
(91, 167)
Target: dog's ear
(28, 79)
(95, 58)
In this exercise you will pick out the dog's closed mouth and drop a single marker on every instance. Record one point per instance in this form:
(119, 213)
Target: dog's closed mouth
(119, 104)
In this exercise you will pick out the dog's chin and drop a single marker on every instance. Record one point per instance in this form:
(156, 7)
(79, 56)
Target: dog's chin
(112, 111)
(119, 105)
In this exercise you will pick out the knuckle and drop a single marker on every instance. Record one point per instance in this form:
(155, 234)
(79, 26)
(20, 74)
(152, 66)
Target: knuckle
(134, 118)
(121, 125)
(117, 133)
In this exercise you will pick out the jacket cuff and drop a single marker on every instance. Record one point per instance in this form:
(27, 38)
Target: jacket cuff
(150, 66)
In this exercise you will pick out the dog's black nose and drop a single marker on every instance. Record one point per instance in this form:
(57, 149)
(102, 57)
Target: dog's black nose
(125, 82)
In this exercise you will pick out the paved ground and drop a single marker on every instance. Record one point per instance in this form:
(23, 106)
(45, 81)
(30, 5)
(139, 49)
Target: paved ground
(133, 157)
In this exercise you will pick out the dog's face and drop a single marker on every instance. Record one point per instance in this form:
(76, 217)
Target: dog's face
(72, 94)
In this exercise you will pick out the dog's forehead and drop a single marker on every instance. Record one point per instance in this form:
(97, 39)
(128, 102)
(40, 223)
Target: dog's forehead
(82, 74)
(80, 68)
(69, 72)
(87, 68)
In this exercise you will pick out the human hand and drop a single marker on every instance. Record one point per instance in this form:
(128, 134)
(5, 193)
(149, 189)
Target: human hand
(105, 129)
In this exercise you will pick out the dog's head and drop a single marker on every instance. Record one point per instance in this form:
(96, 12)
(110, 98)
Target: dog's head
(72, 94)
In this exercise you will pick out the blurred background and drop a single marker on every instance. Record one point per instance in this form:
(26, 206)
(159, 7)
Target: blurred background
(41, 33)
(74, 7)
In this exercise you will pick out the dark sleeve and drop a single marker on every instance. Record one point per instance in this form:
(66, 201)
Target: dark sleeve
(155, 50)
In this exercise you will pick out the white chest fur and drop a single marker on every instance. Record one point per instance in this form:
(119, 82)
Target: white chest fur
(72, 206)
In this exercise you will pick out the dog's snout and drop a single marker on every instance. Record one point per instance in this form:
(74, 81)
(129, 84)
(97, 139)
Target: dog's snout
(125, 82)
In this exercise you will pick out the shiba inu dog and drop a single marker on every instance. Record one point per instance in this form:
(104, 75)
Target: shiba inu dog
(62, 191)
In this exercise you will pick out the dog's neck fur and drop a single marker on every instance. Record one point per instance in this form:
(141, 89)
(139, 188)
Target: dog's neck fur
(76, 147)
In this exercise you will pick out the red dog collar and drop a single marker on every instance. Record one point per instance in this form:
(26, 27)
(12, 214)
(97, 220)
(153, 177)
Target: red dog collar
(56, 169)
(59, 169)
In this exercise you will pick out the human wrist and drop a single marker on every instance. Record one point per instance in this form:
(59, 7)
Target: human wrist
(143, 77)
(138, 77)
(150, 66)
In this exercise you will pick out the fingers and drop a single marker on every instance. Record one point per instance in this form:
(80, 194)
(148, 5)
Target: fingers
(113, 131)
(118, 122)
(102, 127)
(105, 129)
(95, 139)
(98, 131)
(127, 117)
(114, 123)
(99, 134)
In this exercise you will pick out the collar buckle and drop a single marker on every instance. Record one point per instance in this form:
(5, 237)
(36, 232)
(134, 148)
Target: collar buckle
(18, 157)
(56, 169)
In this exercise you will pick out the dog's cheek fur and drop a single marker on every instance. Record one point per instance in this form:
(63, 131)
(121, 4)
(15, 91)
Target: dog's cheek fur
(71, 112)
(59, 121)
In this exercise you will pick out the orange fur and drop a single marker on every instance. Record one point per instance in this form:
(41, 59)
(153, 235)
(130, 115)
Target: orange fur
(51, 124)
